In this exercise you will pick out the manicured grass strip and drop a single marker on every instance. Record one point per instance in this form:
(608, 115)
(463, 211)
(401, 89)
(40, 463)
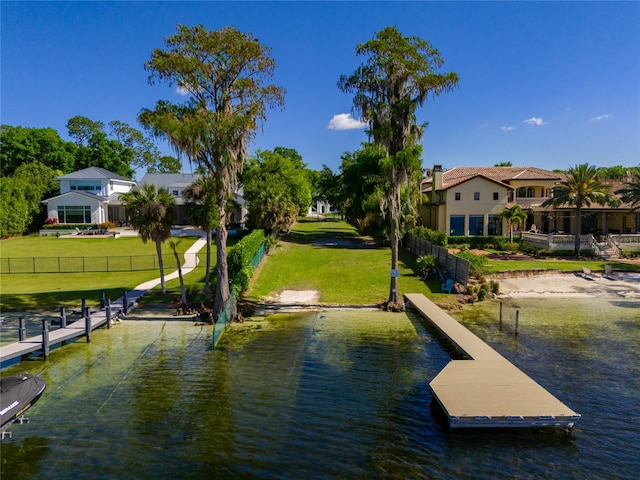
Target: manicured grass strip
(343, 274)
(22, 292)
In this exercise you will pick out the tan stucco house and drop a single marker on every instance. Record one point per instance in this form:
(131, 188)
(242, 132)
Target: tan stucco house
(468, 201)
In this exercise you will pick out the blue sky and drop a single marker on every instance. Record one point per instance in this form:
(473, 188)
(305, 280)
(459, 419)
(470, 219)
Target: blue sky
(543, 84)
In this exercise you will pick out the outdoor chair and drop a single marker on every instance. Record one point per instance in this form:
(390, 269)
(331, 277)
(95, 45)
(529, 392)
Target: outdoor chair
(447, 286)
(609, 273)
(588, 274)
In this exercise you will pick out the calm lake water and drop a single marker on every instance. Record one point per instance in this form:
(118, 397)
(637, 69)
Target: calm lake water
(335, 394)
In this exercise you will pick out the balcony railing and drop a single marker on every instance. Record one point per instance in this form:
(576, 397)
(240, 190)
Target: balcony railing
(530, 201)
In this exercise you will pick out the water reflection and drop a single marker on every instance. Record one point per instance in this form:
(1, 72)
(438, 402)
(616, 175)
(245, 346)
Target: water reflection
(336, 394)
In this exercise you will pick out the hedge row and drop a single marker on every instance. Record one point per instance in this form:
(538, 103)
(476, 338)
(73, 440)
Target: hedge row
(240, 257)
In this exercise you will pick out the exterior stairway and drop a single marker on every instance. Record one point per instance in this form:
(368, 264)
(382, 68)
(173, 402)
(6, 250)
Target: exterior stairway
(606, 252)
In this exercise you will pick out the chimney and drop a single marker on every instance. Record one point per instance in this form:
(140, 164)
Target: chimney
(437, 178)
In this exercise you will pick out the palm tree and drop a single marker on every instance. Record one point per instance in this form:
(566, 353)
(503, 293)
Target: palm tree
(151, 211)
(581, 188)
(515, 217)
(631, 193)
(200, 209)
(173, 244)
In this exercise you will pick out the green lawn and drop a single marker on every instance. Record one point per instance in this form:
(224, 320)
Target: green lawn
(343, 274)
(46, 291)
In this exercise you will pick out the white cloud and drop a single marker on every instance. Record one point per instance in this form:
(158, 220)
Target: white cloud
(180, 90)
(344, 121)
(606, 116)
(508, 128)
(534, 121)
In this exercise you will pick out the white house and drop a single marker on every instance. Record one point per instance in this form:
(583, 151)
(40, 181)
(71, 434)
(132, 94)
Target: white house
(92, 195)
(87, 196)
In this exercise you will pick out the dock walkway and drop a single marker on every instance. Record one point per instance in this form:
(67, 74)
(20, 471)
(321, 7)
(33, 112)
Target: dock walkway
(78, 328)
(487, 390)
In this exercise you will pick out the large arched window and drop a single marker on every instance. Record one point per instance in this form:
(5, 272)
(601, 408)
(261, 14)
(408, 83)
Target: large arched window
(531, 192)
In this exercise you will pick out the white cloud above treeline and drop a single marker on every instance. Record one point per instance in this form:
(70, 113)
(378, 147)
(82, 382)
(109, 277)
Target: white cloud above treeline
(344, 121)
(605, 116)
(534, 121)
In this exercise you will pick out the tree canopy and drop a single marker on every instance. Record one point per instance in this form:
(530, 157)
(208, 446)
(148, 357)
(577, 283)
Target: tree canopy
(226, 75)
(276, 189)
(398, 76)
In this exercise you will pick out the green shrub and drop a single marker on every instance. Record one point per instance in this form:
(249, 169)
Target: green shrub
(243, 252)
(69, 226)
(483, 292)
(495, 287)
(434, 236)
(477, 263)
(241, 280)
(426, 264)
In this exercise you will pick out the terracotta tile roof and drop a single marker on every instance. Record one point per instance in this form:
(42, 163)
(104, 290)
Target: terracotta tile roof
(457, 175)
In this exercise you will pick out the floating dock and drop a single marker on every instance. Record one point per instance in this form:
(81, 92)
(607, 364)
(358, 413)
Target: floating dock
(487, 391)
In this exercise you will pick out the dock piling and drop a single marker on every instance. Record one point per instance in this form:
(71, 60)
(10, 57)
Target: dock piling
(22, 331)
(517, 321)
(45, 338)
(500, 321)
(63, 318)
(102, 299)
(125, 303)
(87, 324)
(108, 313)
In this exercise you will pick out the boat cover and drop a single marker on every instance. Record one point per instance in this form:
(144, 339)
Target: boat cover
(17, 394)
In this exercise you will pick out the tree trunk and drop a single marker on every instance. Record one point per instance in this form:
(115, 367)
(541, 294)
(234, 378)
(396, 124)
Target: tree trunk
(161, 266)
(222, 269)
(578, 230)
(393, 203)
(393, 287)
(183, 292)
(208, 269)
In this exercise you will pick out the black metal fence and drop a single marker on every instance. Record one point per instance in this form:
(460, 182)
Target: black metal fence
(122, 263)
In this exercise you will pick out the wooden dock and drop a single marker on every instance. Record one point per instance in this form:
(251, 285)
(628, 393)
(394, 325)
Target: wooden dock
(487, 391)
(74, 329)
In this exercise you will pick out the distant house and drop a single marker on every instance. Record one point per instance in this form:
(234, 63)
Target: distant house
(92, 195)
(177, 182)
(319, 206)
(468, 201)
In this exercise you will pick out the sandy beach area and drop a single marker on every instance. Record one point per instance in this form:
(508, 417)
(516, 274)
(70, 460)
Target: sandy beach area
(622, 284)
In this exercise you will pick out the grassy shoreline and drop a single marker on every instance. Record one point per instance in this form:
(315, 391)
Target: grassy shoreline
(325, 255)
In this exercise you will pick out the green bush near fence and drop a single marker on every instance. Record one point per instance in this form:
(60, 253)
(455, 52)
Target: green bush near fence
(240, 258)
(434, 236)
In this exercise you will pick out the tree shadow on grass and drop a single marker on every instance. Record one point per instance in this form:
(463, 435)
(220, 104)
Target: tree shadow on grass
(45, 301)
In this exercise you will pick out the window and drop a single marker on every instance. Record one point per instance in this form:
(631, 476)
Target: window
(521, 192)
(457, 195)
(476, 195)
(175, 193)
(531, 192)
(476, 225)
(74, 214)
(496, 196)
(494, 225)
(85, 185)
(457, 225)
